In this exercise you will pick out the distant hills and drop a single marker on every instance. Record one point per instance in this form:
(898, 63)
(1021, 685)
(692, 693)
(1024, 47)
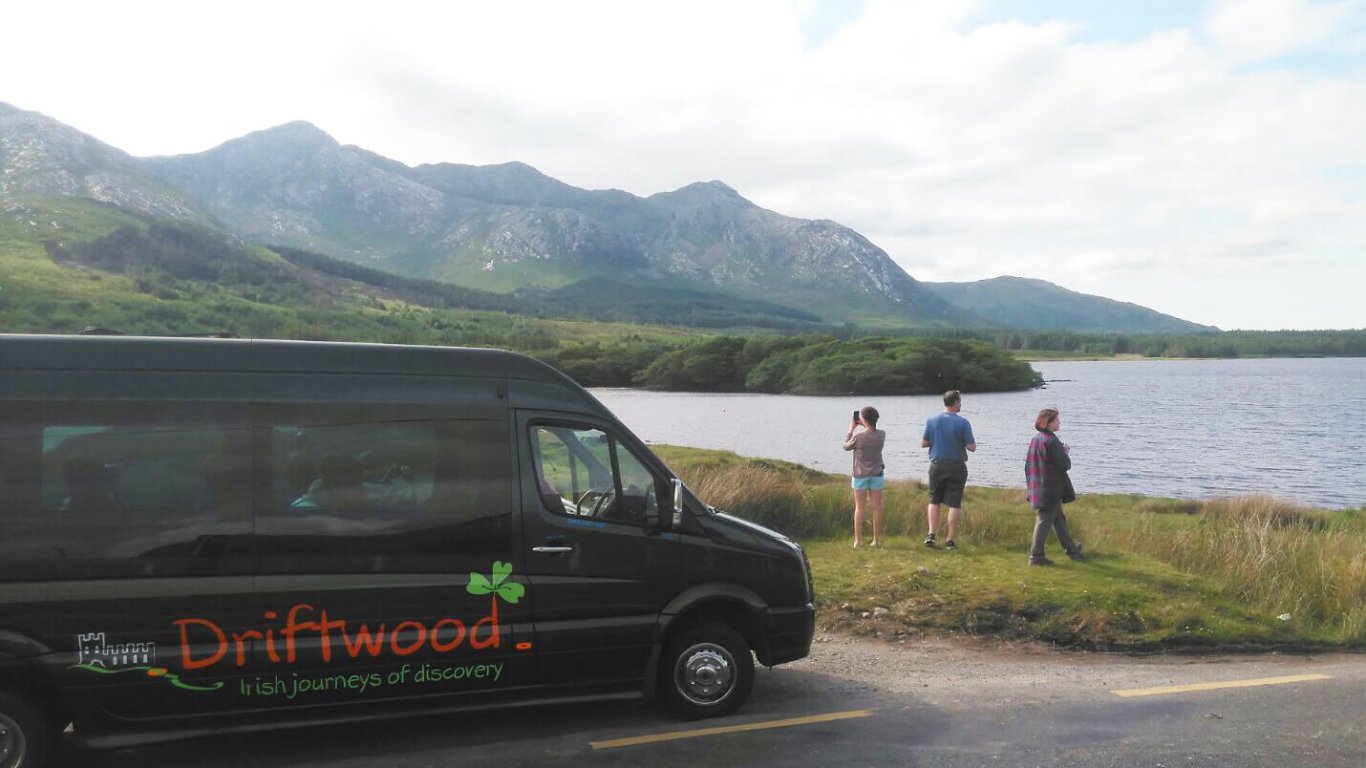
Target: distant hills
(702, 254)
(1018, 302)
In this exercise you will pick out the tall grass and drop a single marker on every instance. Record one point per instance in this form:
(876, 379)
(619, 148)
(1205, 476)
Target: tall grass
(1273, 555)
(821, 507)
(1275, 558)
(802, 509)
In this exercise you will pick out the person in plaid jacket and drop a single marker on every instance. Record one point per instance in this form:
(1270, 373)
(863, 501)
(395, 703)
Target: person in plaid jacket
(1046, 466)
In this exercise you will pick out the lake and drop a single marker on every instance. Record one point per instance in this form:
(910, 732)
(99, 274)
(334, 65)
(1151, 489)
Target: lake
(1193, 429)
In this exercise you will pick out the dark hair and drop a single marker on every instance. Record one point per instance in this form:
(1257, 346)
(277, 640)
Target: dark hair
(1045, 417)
(869, 414)
(952, 396)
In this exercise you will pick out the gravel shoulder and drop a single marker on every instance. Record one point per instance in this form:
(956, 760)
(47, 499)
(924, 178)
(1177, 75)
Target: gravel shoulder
(982, 672)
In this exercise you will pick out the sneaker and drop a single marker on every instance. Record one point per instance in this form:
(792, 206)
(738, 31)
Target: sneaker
(929, 541)
(1042, 561)
(950, 545)
(1076, 554)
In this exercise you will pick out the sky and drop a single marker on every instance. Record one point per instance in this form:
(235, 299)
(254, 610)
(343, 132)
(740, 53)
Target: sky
(1206, 159)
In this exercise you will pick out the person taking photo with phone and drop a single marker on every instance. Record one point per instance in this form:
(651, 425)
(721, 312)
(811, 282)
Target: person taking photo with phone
(866, 441)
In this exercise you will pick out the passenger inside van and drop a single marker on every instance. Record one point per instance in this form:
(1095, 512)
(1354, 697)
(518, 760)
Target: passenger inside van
(338, 488)
(366, 483)
(91, 487)
(553, 499)
(634, 500)
(300, 471)
(386, 483)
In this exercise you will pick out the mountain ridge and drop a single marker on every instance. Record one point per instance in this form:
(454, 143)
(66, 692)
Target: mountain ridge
(500, 227)
(509, 226)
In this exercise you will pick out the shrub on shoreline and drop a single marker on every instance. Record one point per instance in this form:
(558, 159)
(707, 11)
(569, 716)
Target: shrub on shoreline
(821, 365)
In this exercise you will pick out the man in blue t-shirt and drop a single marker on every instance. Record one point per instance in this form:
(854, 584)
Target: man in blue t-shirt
(949, 438)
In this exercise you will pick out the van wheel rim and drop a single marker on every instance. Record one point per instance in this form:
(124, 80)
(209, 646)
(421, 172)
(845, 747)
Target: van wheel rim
(705, 674)
(12, 744)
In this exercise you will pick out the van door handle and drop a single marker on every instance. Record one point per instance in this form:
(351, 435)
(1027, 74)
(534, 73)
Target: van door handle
(552, 550)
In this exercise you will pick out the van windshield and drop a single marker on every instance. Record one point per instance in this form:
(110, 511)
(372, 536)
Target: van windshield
(586, 472)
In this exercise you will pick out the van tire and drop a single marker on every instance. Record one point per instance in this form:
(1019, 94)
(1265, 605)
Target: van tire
(708, 671)
(26, 736)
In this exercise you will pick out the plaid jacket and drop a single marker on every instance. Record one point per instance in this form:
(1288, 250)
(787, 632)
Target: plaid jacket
(1046, 465)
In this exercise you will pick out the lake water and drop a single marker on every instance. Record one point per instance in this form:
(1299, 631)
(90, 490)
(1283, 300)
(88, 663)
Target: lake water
(1197, 429)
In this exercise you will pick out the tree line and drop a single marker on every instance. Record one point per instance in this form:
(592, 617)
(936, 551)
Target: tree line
(803, 365)
(1224, 344)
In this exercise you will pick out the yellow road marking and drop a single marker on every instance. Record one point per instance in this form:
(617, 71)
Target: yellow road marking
(635, 741)
(1132, 692)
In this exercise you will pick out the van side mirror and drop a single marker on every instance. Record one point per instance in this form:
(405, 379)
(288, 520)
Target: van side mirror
(662, 521)
(677, 521)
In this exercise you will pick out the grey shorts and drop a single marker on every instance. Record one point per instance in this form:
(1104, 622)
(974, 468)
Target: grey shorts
(947, 481)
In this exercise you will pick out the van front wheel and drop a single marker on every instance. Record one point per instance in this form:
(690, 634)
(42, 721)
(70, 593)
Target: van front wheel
(25, 736)
(710, 672)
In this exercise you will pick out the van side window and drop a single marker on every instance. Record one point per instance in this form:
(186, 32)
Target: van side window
(124, 494)
(366, 492)
(354, 469)
(585, 472)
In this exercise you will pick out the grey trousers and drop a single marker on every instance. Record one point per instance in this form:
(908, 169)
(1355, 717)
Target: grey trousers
(1046, 519)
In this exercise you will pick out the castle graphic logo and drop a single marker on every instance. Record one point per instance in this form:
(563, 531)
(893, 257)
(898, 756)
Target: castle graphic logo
(96, 652)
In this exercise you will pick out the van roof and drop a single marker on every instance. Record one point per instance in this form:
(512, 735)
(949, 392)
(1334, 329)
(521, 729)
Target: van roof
(156, 353)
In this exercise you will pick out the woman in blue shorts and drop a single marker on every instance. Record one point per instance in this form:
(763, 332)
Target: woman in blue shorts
(867, 483)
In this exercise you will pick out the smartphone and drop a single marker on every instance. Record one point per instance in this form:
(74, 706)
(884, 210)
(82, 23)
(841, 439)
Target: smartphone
(855, 414)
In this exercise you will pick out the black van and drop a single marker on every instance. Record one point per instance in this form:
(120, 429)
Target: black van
(203, 535)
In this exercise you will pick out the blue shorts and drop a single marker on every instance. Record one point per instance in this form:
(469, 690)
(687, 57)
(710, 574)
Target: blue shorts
(867, 483)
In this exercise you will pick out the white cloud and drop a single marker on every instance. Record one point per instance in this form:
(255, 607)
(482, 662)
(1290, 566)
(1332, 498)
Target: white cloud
(1254, 30)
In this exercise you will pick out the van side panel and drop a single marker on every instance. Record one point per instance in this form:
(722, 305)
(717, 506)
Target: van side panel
(385, 543)
(123, 514)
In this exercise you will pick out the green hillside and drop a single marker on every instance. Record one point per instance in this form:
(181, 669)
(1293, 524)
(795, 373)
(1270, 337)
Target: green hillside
(1018, 302)
(72, 264)
(69, 264)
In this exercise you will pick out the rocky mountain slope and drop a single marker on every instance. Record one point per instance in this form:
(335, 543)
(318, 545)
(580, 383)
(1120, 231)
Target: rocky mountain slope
(43, 158)
(508, 226)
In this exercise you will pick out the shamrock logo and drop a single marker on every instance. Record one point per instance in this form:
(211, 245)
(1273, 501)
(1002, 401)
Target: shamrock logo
(510, 591)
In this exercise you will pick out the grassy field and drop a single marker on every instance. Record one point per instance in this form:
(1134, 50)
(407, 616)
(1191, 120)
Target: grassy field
(1250, 572)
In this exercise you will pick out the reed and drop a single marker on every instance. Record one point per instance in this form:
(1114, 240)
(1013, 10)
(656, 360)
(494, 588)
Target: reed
(1306, 564)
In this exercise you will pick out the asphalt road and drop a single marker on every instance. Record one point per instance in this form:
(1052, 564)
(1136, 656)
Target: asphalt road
(870, 703)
